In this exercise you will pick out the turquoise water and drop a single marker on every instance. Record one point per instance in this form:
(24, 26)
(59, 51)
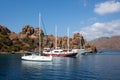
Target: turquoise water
(103, 66)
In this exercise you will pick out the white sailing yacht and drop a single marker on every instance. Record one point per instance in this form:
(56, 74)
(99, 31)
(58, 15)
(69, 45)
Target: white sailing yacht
(60, 52)
(35, 57)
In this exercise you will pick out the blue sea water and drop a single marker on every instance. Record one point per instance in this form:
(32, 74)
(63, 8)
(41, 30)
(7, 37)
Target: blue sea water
(103, 66)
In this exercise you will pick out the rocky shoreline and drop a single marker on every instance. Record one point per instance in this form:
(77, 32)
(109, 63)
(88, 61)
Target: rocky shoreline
(13, 52)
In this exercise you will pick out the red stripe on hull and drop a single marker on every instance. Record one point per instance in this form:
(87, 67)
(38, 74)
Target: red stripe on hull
(60, 55)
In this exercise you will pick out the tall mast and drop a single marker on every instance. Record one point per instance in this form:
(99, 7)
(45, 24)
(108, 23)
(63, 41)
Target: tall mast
(68, 38)
(39, 32)
(56, 37)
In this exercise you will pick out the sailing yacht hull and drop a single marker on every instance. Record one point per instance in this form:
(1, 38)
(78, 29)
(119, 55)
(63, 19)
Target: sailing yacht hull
(37, 58)
(60, 54)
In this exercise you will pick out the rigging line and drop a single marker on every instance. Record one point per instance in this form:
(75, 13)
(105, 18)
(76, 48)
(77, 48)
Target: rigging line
(44, 29)
(43, 25)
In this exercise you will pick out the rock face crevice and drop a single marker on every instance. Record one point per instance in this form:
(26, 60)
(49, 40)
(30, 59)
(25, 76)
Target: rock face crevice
(28, 40)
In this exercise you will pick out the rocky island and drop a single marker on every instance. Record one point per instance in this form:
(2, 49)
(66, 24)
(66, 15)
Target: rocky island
(27, 40)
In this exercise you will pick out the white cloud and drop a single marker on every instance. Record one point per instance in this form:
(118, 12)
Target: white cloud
(107, 7)
(92, 19)
(89, 20)
(97, 30)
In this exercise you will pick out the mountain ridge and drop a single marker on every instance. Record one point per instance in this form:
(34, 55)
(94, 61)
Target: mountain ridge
(112, 43)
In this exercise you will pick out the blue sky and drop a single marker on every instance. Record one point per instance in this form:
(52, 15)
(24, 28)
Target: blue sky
(91, 18)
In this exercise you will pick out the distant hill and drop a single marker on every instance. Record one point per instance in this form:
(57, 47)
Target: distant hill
(107, 43)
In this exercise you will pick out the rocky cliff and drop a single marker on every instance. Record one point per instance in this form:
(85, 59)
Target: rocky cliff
(28, 40)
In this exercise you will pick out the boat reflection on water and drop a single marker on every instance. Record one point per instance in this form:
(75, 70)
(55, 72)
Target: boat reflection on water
(57, 61)
(35, 64)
